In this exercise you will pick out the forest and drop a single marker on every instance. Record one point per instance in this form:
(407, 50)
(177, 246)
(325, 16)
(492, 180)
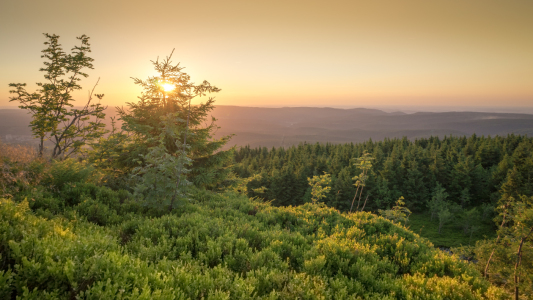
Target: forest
(157, 209)
(472, 171)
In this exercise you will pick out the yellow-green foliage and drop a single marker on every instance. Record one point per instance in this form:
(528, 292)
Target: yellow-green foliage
(225, 246)
(319, 186)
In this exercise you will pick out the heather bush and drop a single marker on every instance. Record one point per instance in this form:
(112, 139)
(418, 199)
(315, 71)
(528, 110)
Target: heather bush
(214, 248)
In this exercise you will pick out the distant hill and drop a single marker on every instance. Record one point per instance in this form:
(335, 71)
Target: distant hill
(290, 126)
(258, 126)
(14, 125)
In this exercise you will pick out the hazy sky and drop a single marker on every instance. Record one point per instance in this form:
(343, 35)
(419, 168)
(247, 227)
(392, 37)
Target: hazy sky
(294, 53)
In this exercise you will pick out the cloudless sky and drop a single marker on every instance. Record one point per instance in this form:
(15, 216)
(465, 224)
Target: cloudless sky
(290, 53)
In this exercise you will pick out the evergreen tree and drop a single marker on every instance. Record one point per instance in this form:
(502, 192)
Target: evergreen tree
(400, 167)
(168, 96)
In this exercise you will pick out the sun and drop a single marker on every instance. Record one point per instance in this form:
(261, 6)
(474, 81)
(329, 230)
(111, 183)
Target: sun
(167, 87)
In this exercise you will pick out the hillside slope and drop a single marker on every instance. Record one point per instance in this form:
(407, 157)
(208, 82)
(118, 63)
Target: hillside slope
(219, 246)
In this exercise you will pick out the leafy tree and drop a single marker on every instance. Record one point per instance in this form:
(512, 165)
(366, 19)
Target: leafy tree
(242, 185)
(438, 201)
(522, 233)
(53, 115)
(445, 216)
(363, 163)
(398, 213)
(508, 259)
(319, 186)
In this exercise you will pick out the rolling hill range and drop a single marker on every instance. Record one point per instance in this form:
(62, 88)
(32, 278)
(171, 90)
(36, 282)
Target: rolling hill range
(288, 126)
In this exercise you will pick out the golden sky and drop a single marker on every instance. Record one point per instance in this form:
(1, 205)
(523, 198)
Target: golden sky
(290, 53)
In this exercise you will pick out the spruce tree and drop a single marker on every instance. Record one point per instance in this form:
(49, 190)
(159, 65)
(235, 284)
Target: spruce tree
(165, 119)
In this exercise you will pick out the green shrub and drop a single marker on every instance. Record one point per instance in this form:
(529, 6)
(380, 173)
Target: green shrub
(213, 248)
(66, 173)
(6, 277)
(97, 212)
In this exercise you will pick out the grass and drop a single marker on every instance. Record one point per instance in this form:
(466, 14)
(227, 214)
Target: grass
(16, 162)
(452, 233)
(17, 153)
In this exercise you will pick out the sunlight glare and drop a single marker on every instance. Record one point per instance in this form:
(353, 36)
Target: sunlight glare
(167, 87)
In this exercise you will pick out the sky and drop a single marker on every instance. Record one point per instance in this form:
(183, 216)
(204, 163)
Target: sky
(356, 53)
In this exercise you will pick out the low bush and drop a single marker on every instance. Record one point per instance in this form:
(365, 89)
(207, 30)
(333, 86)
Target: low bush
(212, 248)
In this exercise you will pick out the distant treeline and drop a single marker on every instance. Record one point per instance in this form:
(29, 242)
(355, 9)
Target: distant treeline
(473, 170)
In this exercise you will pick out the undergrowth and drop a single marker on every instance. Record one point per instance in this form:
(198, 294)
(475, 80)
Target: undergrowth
(452, 234)
(223, 246)
(63, 236)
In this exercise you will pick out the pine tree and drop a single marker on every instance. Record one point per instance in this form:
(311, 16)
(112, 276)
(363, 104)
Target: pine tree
(164, 143)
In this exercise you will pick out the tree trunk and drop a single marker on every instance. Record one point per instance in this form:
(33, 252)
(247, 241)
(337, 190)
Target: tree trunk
(179, 170)
(492, 253)
(517, 264)
(359, 200)
(362, 188)
(41, 147)
(364, 203)
(354, 197)
(171, 207)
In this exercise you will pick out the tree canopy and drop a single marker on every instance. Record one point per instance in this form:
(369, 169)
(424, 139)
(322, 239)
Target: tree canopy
(54, 117)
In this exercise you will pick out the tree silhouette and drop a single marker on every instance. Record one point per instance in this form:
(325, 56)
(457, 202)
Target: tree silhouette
(53, 115)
